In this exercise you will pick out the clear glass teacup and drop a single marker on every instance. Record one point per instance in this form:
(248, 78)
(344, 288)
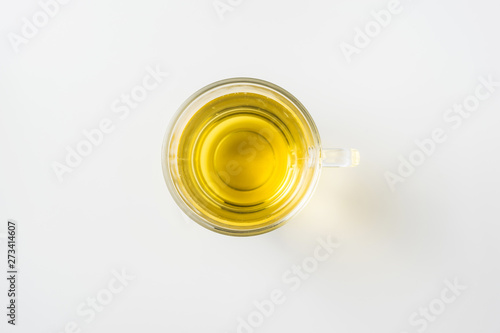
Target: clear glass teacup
(242, 156)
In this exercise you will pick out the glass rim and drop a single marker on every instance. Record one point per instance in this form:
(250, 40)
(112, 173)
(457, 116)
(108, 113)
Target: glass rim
(191, 211)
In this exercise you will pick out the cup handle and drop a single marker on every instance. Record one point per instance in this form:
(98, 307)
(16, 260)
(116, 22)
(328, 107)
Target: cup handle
(339, 157)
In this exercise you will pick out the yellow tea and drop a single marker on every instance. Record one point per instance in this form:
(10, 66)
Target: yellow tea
(241, 156)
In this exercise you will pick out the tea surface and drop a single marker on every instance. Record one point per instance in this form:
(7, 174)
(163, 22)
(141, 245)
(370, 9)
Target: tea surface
(240, 155)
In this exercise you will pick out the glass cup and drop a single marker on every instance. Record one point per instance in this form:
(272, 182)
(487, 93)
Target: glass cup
(242, 156)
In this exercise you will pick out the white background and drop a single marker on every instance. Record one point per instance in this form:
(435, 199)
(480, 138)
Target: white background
(114, 212)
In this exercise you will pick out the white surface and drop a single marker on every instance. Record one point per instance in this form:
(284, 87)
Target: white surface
(114, 211)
